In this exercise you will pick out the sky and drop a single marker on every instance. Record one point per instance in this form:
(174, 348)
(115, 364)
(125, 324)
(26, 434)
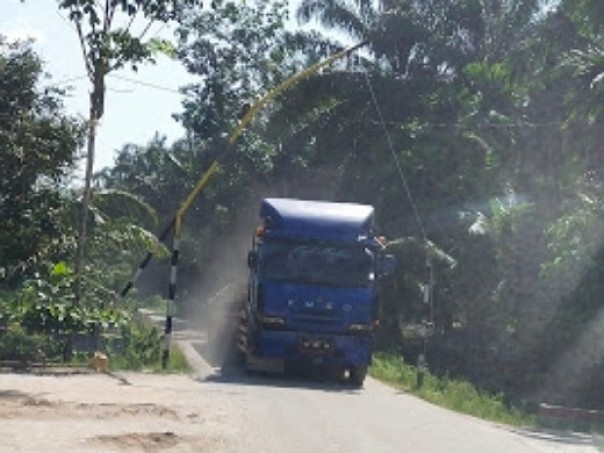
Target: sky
(135, 109)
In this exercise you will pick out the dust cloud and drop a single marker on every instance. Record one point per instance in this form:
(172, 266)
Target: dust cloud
(222, 290)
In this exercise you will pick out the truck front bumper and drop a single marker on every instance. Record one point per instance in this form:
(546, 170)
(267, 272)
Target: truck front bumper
(315, 348)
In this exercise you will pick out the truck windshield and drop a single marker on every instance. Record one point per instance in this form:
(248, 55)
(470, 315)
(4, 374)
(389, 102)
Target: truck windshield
(318, 263)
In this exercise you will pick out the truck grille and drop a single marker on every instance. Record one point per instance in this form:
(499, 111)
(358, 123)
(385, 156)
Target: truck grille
(316, 317)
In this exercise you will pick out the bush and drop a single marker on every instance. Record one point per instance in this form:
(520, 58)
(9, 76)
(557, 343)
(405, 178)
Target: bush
(17, 345)
(39, 323)
(140, 348)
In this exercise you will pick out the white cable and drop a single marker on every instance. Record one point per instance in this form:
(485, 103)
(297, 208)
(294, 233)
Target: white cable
(396, 162)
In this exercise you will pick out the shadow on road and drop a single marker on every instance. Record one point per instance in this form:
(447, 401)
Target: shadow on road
(233, 373)
(236, 375)
(13, 394)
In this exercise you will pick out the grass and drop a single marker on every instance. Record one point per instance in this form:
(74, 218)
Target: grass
(457, 395)
(177, 363)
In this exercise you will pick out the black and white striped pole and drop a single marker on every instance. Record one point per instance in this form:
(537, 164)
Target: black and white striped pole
(174, 261)
(141, 267)
(165, 356)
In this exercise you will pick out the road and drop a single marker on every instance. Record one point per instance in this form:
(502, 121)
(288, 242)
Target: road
(229, 411)
(304, 415)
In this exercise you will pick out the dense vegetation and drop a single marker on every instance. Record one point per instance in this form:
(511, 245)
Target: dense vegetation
(492, 109)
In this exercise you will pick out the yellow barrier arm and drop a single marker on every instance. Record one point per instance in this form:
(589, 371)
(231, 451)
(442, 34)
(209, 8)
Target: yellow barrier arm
(247, 118)
(243, 123)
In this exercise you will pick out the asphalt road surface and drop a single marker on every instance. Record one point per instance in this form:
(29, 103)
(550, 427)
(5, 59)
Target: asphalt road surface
(294, 414)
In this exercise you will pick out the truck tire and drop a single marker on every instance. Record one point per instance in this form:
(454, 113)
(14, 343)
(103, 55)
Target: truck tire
(357, 375)
(337, 373)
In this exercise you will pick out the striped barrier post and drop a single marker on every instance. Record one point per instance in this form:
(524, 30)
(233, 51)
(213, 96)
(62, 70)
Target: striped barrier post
(141, 267)
(171, 294)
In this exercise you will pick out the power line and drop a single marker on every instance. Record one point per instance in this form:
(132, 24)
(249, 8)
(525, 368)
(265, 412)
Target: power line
(127, 79)
(418, 218)
(429, 295)
(68, 80)
(478, 125)
(145, 84)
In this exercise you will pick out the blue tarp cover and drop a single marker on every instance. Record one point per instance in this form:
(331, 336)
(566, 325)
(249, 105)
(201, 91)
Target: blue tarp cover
(347, 222)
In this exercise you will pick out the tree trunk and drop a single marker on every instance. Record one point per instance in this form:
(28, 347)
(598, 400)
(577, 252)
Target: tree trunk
(95, 114)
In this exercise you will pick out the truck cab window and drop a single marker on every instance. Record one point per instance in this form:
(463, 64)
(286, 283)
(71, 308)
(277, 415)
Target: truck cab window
(319, 263)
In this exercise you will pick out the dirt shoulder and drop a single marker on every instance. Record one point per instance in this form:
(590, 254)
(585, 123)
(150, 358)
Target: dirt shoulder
(119, 412)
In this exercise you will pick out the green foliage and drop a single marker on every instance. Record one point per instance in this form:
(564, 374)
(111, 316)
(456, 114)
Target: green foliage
(38, 323)
(574, 238)
(39, 144)
(486, 122)
(106, 47)
(239, 52)
(460, 396)
(139, 348)
(16, 344)
(38, 210)
(43, 318)
(47, 307)
(178, 362)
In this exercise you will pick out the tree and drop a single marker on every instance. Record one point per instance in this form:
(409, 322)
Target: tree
(39, 144)
(38, 213)
(107, 46)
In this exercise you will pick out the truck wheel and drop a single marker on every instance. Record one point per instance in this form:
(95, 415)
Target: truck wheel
(337, 373)
(357, 375)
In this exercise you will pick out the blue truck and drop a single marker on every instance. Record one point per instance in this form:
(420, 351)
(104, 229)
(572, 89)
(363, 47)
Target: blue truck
(313, 294)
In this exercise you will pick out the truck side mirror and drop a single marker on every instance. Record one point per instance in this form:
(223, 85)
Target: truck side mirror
(252, 259)
(386, 265)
